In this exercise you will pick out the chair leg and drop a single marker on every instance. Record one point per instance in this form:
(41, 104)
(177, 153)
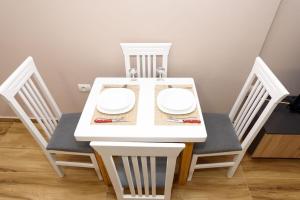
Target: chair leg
(192, 167)
(237, 159)
(95, 163)
(51, 159)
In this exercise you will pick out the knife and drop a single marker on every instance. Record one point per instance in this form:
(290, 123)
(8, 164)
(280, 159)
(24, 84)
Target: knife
(190, 121)
(108, 120)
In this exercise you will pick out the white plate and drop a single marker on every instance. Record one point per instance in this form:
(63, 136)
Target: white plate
(176, 101)
(115, 100)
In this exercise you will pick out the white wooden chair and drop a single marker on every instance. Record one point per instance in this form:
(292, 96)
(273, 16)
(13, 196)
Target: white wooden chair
(232, 134)
(28, 96)
(144, 58)
(143, 167)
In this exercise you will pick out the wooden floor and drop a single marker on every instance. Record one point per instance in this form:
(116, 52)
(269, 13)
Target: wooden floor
(26, 175)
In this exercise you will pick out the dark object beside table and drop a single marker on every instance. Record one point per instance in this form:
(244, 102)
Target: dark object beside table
(280, 136)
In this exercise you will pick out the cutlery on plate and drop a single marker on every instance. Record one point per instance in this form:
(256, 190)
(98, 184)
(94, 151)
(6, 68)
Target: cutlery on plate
(191, 117)
(189, 120)
(109, 120)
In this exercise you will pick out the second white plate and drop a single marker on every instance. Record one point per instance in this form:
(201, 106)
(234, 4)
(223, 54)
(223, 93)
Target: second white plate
(115, 100)
(176, 101)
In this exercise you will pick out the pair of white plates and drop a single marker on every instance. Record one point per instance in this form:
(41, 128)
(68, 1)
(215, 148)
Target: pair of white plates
(171, 101)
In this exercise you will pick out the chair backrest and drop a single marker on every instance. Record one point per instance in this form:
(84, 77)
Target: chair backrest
(146, 58)
(26, 93)
(258, 98)
(135, 161)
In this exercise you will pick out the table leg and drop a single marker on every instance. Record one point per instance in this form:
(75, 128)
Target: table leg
(185, 163)
(102, 168)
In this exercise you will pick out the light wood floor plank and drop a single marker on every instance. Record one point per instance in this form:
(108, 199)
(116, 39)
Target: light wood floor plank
(25, 174)
(275, 189)
(4, 126)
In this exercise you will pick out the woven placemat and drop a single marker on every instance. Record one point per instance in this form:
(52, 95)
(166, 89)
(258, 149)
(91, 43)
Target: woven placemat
(161, 117)
(130, 116)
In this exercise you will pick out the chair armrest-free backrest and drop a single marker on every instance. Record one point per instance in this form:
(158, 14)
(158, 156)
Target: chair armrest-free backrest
(133, 153)
(258, 98)
(146, 57)
(26, 93)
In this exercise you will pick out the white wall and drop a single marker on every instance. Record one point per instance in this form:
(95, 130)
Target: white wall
(282, 47)
(74, 41)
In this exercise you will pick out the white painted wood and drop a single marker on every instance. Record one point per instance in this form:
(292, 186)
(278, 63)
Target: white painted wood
(171, 164)
(149, 66)
(192, 166)
(144, 65)
(25, 100)
(137, 175)
(214, 165)
(247, 112)
(69, 153)
(30, 95)
(52, 118)
(154, 66)
(128, 174)
(137, 151)
(74, 164)
(138, 65)
(239, 117)
(145, 129)
(145, 175)
(144, 197)
(252, 112)
(147, 51)
(217, 154)
(40, 106)
(39, 102)
(44, 89)
(95, 164)
(153, 173)
(244, 111)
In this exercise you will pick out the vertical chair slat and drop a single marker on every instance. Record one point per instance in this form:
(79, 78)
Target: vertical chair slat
(251, 106)
(138, 65)
(154, 65)
(259, 105)
(31, 109)
(137, 175)
(171, 163)
(145, 175)
(250, 103)
(51, 116)
(165, 64)
(153, 175)
(39, 115)
(127, 65)
(247, 104)
(128, 174)
(144, 65)
(149, 65)
(238, 118)
(45, 117)
(40, 82)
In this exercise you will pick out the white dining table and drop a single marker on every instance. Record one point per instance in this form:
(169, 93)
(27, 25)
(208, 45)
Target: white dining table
(145, 129)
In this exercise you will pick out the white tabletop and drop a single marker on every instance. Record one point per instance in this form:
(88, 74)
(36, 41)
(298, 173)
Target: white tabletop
(145, 129)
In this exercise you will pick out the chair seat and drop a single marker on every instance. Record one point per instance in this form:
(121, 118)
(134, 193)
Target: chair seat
(221, 136)
(161, 163)
(63, 137)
